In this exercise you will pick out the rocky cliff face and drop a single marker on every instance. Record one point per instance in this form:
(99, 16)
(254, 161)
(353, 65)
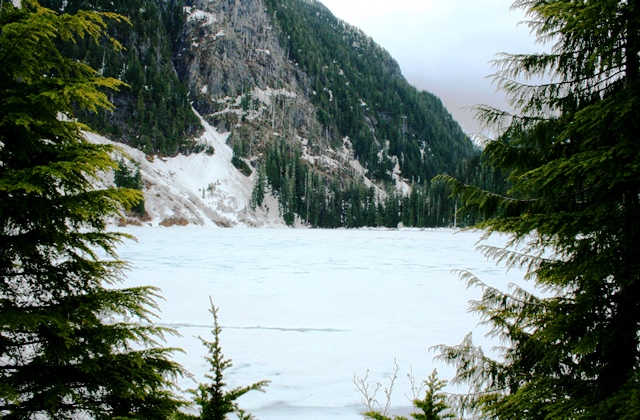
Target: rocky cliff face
(233, 64)
(228, 47)
(321, 110)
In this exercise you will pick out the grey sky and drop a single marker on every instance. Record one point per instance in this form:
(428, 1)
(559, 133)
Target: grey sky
(444, 46)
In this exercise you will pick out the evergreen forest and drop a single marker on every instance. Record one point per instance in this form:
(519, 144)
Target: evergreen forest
(360, 93)
(152, 111)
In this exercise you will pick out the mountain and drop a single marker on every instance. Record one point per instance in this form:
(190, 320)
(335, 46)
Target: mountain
(154, 112)
(317, 115)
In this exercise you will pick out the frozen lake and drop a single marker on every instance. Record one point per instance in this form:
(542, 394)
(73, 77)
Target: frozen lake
(308, 309)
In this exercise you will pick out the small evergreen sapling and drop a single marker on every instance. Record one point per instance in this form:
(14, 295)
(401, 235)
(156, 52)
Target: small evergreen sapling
(214, 401)
(434, 404)
(126, 176)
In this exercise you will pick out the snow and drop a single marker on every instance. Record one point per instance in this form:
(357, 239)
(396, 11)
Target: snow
(265, 95)
(479, 140)
(206, 189)
(200, 16)
(200, 189)
(308, 309)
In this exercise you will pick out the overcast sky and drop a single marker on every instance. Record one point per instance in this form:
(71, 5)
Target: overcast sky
(444, 46)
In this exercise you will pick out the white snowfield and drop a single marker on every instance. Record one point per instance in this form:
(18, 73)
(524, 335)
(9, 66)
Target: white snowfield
(308, 308)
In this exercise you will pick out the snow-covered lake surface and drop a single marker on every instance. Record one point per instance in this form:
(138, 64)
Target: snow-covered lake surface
(308, 309)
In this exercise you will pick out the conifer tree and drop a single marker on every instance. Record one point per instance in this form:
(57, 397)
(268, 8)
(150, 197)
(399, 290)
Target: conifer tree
(127, 177)
(434, 404)
(214, 400)
(67, 348)
(573, 209)
(258, 192)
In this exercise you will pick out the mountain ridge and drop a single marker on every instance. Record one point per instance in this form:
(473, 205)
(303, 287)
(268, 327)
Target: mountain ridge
(303, 97)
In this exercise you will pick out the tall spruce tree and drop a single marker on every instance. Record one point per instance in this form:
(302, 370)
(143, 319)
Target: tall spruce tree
(573, 154)
(66, 347)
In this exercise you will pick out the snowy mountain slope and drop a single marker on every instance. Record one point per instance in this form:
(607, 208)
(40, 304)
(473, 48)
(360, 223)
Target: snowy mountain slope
(198, 189)
(204, 189)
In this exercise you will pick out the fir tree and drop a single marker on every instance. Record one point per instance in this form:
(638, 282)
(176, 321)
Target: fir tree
(434, 404)
(258, 192)
(214, 400)
(573, 209)
(66, 347)
(127, 177)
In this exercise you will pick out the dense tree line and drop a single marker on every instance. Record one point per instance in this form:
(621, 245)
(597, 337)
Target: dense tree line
(313, 198)
(357, 88)
(360, 94)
